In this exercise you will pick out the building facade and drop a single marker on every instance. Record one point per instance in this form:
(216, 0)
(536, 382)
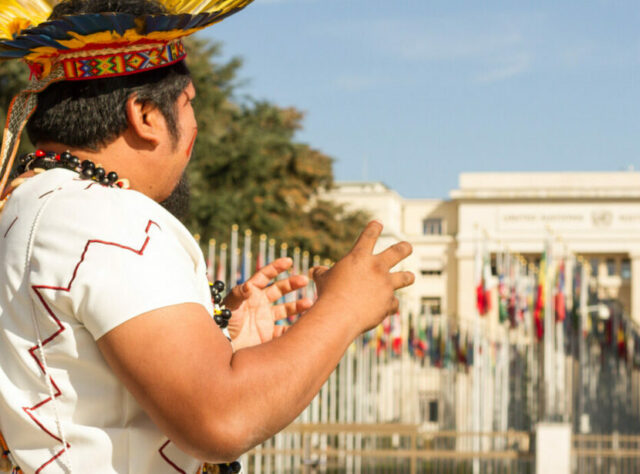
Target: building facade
(591, 216)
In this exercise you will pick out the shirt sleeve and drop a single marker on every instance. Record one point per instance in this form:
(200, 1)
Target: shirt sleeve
(109, 258)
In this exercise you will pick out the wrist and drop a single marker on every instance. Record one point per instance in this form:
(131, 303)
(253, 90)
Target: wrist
(339, 314)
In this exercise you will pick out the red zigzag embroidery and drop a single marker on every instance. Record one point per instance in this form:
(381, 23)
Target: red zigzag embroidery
(37, 288)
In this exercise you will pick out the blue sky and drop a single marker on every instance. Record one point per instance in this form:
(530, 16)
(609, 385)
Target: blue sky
(414, 92)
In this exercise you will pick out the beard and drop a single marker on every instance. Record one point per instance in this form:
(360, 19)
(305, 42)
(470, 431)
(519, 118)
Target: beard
(178, 201)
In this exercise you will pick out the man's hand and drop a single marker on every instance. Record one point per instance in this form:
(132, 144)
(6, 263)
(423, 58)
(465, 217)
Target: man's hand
(253, 314)
(361, 283)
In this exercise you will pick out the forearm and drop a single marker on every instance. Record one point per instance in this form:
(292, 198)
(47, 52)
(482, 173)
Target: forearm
(274, 382)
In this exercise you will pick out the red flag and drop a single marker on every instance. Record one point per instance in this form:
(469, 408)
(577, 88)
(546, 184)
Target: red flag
(483, 293)
(538, 312)
(396, 334)
(560, 305)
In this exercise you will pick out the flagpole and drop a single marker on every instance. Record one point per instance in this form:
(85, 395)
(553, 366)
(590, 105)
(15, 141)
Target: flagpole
(305, 272)
(211, 259)
(222, 264)
(582, 324)
(549, 377)
(246, 258)
(271, 254)
(475, 413)
(262, 252)
(233, 271)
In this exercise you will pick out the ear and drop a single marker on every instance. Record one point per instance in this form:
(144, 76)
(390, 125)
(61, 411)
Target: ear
(145, 120)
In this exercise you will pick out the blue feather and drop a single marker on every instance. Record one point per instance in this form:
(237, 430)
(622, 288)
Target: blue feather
(51, 32)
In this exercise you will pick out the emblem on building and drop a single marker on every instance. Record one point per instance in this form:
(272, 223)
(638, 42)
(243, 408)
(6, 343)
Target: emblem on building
(602, 218)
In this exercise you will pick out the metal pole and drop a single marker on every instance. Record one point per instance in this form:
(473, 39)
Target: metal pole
(581, 346)
(549, 376)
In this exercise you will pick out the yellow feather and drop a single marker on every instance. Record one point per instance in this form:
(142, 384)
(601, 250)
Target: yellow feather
(17, 14)
(203, 6)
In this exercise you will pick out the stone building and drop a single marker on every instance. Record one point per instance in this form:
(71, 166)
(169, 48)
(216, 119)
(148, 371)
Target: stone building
(592, 215)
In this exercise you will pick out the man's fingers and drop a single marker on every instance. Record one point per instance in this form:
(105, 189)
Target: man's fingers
(284, 310)
(402, 279)
(395, 254)
(368, 238)
(236, 296)
(282, 287)
(263, 277)
(279, 331)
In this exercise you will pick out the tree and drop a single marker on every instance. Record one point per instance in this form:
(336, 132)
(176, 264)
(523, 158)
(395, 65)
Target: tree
(13, 78)
(247, 168)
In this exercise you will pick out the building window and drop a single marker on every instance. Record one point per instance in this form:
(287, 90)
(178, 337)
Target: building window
(433, 411)
(429, 407)
(432, 226)
(430, 272)
(611, 267)
(625, 269)
(430, 305)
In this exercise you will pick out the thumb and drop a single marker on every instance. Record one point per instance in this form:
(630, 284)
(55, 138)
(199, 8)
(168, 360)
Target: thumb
(237, 295)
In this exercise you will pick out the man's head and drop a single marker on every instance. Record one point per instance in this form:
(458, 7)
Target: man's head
(91, 114)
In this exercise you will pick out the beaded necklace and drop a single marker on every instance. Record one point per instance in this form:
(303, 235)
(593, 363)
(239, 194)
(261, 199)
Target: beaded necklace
(40, 161)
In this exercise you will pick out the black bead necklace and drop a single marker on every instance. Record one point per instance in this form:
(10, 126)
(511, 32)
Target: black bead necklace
(221, 315)
(87, 169)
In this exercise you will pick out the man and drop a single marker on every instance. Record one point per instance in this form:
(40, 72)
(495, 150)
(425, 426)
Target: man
(110, 359)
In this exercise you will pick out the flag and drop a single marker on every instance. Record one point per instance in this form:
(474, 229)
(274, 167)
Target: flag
(382, 336)
(396, 334)
(559, 303)
(622, 341)
(411, 338)
(421, 343)
(431, 344)
(576, 289)
(538, 312)
(369, 338)
(483, 274)
(503, 313)
(240, 276)
(512, 307)
(449, 354)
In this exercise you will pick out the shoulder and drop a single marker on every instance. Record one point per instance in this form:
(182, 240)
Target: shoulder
(67, 205)
(73, 214)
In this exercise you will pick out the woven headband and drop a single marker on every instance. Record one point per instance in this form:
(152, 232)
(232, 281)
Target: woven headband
(99, 64)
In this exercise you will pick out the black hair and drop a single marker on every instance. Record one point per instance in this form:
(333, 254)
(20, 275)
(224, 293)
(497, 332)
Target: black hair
(91, 114)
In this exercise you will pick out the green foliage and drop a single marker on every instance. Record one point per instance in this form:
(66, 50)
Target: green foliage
(248, 169)
(13, 78)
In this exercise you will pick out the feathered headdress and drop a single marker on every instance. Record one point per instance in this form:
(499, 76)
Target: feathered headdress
(91, 46)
